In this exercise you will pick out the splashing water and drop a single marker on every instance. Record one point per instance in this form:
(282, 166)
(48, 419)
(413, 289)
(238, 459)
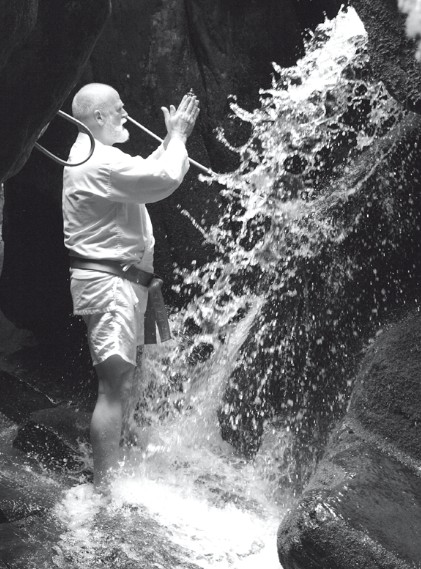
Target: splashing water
(284, 217)
(184, 497)
(181, 489)
(193, 498)
(310, 128)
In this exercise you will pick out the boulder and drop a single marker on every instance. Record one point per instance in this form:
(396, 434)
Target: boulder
(12, 545)
(392, 52)
(16, 22)
(43, 54)
(362, 507)
(20, 398)
(15, 503)
(53, 437)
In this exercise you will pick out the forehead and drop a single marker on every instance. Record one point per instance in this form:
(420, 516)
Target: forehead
(113, 100)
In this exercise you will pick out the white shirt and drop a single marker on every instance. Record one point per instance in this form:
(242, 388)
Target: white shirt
(104, 213)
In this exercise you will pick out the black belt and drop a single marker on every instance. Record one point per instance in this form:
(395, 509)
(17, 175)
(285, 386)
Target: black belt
(155, 314)
(132, 274)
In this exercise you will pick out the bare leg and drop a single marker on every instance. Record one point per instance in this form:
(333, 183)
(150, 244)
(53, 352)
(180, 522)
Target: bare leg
(115, 377)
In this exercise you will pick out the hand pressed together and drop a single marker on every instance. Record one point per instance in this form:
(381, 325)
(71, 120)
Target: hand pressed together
(180, 122)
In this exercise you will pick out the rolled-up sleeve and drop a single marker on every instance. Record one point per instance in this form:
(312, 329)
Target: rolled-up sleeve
(138, 180)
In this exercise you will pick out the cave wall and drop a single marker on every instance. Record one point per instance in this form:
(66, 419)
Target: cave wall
(38, 67)
(362, 507)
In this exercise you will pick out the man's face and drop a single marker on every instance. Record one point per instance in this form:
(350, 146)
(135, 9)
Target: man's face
(115, 116)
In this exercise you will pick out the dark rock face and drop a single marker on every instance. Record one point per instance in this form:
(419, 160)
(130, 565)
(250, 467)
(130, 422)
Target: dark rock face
(42, 56)
(22, 398)
(152, 53)
(53, 437)
(362, 507)
(321, 329)
(14, 502)
(17, 21)
(391, 52)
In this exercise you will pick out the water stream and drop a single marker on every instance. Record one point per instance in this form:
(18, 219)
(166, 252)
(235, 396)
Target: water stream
(209, 505)
(184, 497)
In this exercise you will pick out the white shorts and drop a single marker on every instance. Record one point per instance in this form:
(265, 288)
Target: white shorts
(113, 310)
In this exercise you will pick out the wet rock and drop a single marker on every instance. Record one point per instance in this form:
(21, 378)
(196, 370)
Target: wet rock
(15, 501)
(302, 351)
(392, 53)
(16, 22)
(362, 507)
(12, 546)
(200, 353)
(23, 544)
(42, 55)
(22, 399)
(128, 538)
(53, 436)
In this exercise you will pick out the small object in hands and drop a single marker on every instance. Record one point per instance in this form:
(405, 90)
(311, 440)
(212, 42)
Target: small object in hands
(191, 93)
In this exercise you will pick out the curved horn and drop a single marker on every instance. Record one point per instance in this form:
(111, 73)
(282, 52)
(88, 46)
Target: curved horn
(81, 127)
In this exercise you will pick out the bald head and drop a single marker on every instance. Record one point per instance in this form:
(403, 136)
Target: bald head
(100, 108)
(91, 97)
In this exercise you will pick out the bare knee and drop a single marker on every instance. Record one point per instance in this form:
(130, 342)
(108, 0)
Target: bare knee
(114, 377)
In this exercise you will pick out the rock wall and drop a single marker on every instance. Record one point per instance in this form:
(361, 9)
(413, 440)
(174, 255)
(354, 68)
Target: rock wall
(362, 507)
(38, 68)
(326, 294)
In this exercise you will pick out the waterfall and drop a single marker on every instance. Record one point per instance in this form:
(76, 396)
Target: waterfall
(186, 496)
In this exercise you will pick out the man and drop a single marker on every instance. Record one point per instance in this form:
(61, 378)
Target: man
(108, 233)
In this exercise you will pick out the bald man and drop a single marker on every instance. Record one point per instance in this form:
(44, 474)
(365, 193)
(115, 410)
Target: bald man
(108, 233)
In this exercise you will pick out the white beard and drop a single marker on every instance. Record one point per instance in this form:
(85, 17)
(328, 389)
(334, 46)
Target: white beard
(118, 133)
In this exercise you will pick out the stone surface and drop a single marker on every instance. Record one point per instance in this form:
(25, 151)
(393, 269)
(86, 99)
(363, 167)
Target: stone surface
(362, 507)
(53, 436)
(37, 378)
(17, 21)
(12, 544)
(16, 502)
(386, 396)
(392, 53)
(50, 48)
(26, 544)
(20, 398)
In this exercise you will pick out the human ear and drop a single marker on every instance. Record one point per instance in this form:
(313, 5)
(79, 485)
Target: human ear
(98, 117)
